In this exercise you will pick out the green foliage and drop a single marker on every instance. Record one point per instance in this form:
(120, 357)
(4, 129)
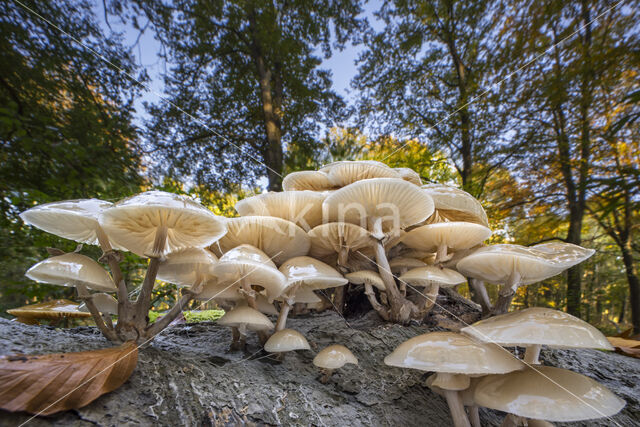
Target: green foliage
(65, 128)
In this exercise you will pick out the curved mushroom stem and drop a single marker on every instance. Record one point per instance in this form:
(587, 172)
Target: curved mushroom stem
(442, 255)
(326, 374)
(474, 416)
(176, 310)
(84, 295)
(431, 297)
(480, 295)
(250, 296)
(284, 312)
(532, 354)
(456, 408)
(382, 311)
(400, 307)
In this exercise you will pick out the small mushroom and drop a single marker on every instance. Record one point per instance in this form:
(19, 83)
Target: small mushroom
(286, 340)
(443, 236)
(370, 279)
(454, 357)
(278, 238)
(534, 327)
(432, 278)
(332, 358)
(306, 180)
(303, 208)
(307, 272)
(72, 269)
(453, 204)
(340, 238)
(515, 265)
(105, 303)
(55, 311)
(347, 172)
(242, 319)
(410, 175)
(546, 393)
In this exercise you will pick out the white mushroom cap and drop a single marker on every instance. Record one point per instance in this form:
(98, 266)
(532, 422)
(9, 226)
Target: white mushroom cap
(334, 357)
(133, 223)
(187, 266)
(55, 309)
(220, 292)
(278, 238)
(397, 202)
(264, 306)
(245, 318)
(538, 326)
(374, 163)
(311, 273)
(72, 219)
(306, 295)
(363, 277)
(286, 340)
(303, 208)
(452, 353)
(497, 263)
(250, 264)
(433, 275)
(330, 238)
(454, 235)
(455, 204)
(547, 393)
(400, 263)
(70, 270)
(105, 303)
(409, 175)
(306, 180)
(347, 172)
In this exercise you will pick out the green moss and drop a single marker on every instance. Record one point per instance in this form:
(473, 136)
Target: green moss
(192, 316)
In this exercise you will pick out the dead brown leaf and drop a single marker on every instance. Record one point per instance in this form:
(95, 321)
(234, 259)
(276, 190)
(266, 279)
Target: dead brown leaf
(628, 347)
(51, 383)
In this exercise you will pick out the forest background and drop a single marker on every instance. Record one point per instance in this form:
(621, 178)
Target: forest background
(533, 107)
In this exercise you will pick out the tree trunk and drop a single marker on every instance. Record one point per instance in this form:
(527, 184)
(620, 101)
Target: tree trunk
(273, 155)
(634, 287)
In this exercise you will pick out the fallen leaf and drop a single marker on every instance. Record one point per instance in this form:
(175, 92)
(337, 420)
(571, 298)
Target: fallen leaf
(623, 342)
(51, 383)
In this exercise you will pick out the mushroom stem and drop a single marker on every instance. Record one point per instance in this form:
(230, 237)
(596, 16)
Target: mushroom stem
(338, 299)
(343, 257)
(399, 307)
(431, 297)
(442, 255)
(326, 374)
(250, 296)
(282, 316)
(474, 416)
(155, 328)
(480, 295)
(382, 311)
(84, 295)
(507, 293)
(532, 354)
(235, 341)
(456, 408)
(160, 241)
(113, 259)
(141, 313)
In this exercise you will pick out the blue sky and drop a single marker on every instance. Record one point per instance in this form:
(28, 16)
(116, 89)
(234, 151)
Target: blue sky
(342, 63)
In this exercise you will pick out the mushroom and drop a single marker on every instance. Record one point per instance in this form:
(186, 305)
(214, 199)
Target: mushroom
(432, 278)
(340, 238)
(347, 172)
(443, 236)
(306, 180)
(384, 206)
(400, 265)
(453, 204)
(55, 311)
(332, 358)
(515, 265)
(72, 269)
(370, 279)
(534, 327)
(307, 272)
(303, 208)
(454, 357)
(286, 340)
(278, 238)
(466, 396)
(546, 393)
(155, 223)
(410, 175)
(71, 219)
(105, 303)
(242, 319)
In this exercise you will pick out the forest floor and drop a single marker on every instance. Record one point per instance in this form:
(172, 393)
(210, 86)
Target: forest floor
(186, 376)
